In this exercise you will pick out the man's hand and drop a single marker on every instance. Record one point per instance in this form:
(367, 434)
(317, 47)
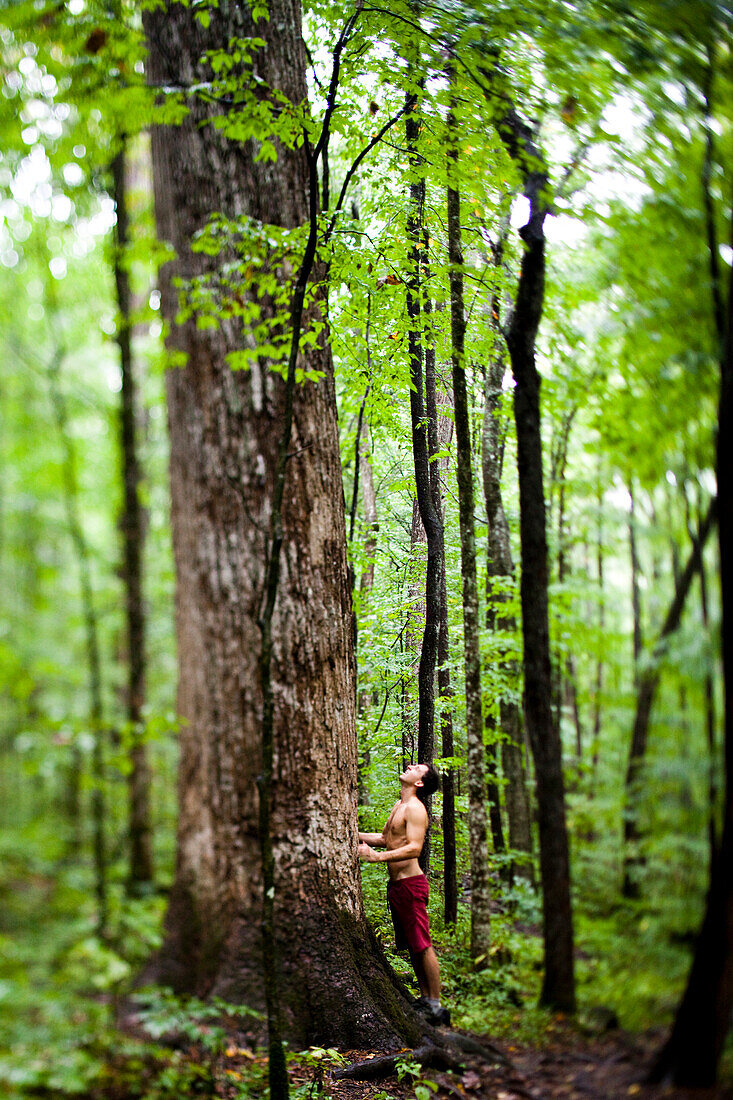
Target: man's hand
(368, 854)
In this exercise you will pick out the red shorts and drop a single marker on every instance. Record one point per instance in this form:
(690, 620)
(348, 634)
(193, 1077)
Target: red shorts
(408, 902)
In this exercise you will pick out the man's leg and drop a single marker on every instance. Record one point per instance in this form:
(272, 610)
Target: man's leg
(427, 970)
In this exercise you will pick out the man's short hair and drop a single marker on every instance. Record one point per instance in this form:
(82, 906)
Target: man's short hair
(430, 783)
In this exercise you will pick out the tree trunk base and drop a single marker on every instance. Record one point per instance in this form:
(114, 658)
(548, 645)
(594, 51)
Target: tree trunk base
(336, 985)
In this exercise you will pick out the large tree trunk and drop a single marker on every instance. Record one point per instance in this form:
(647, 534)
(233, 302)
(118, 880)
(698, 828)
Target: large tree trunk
(225, 430)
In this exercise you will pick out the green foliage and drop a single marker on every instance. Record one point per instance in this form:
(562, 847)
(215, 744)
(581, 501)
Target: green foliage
(628, 353)
(161, 1012)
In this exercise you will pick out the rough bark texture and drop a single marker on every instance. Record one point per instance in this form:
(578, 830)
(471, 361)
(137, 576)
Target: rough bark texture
(132, 524)
(225, 428)
(500, 563)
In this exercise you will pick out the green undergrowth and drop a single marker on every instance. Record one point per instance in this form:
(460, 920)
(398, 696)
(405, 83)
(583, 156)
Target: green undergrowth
(631, 964)
(60, 985)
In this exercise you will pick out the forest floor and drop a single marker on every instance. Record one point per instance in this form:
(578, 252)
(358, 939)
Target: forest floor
(605, 1068)
(609, 1067)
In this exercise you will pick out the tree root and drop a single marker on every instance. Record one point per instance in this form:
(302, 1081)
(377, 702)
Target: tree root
(469, 1045)
(374, 1069)
(444, 1055)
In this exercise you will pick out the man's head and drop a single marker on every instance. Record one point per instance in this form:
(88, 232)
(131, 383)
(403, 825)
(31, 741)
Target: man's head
(424, 777)
(430, 782)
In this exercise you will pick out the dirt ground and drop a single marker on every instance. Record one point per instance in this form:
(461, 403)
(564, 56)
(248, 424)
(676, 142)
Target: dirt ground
(606, 1068)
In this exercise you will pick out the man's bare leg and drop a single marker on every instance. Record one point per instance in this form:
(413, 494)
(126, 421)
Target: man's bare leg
(427, 972)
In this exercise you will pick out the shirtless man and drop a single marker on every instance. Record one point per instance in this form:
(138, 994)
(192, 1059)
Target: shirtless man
(407, 891)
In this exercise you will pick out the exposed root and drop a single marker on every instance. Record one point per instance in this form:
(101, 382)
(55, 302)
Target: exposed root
(470, 1045)
(445, 1056)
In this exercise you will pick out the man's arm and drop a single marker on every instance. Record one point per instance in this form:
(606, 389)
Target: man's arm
(377, 840)
(416, 824)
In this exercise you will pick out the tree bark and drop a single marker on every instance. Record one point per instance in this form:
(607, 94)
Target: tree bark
(710, 723)
(477, 825)
(132, 523)
(558, 990)
(226, 429)
(440, 434)
(598, 689)
(430, 518)
(366, 583)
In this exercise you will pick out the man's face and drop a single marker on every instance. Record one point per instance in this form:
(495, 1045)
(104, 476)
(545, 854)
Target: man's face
(414, 773)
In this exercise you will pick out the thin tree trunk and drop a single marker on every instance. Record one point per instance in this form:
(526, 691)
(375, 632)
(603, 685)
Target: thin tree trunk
(429, 516)
(500, 563)
(414, 632)
(635, 588)
(598, 689)
(140, 874)
(366, 582)
(477, 825)
(558, 990)
(91, 629)
(445, 693)
(648, 683)
(440, 434)
(710, 723)
(558, 467)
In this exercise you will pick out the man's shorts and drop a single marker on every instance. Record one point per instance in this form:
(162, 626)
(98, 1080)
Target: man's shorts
(408, 903)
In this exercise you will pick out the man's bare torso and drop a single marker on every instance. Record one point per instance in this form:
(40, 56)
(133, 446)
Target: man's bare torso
(395, 835)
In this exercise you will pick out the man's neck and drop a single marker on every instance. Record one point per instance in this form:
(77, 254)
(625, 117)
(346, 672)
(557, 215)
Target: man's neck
(407, 791)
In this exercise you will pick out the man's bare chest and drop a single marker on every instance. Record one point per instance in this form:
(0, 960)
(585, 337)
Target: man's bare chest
(396, 828)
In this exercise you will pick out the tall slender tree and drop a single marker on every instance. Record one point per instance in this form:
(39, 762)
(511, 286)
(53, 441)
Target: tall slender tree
(132, 524)
(558, 988)
(477, 823)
